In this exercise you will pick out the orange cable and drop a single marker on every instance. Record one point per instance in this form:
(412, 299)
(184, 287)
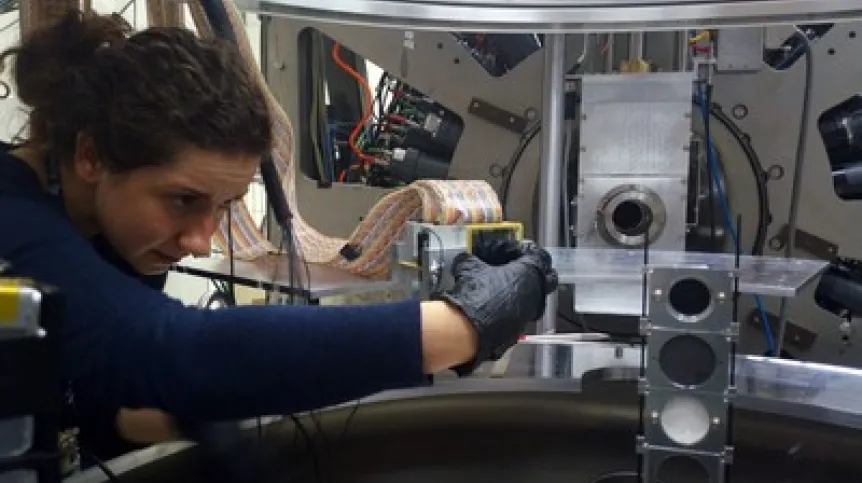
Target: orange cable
(369, 109)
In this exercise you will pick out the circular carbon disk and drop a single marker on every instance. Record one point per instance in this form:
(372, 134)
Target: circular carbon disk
(687, 360)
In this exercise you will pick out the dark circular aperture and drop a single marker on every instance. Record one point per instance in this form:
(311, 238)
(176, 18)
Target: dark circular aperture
(689, 297)
(682, 469)
(687, 360)
(632, 218)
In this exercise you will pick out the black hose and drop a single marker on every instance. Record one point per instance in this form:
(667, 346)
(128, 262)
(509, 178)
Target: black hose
(764, 217)
(509, 170)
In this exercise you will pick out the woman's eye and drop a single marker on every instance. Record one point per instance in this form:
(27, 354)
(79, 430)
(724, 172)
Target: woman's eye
(184, 201)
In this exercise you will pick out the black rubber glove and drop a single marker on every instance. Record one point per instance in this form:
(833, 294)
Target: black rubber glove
(500, 300)
(498, 252)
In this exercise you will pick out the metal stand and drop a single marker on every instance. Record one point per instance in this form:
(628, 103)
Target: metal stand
(553, 136)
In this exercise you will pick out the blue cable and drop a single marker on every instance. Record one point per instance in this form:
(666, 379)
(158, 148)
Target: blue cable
(722, 198)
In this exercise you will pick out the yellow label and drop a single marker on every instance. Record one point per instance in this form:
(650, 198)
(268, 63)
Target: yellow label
(10, 301)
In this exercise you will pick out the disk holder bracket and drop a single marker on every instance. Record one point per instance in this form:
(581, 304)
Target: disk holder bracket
(687, 381)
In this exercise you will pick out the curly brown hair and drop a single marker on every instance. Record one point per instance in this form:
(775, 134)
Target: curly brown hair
(141, 97)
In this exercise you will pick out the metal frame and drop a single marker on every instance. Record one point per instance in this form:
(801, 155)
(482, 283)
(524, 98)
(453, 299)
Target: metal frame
(754, 101)
(715, 326)
(555, 16)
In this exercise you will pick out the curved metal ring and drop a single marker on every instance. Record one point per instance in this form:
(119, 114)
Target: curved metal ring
(215, 299)
(557, 16)
(647, 200)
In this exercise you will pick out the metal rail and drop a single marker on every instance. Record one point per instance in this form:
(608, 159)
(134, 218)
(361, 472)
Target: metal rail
(558, 16)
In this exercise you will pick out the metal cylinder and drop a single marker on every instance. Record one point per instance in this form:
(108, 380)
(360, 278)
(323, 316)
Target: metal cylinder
(636, 46)
(553, 136)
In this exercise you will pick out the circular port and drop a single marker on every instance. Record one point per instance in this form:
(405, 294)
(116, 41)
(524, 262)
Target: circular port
(689, 299)
(632, 218)
(682, 469)
(685, 420)
(687, 360)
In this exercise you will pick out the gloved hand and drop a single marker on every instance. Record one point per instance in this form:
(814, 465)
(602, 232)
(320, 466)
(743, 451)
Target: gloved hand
(499, 251)
(500, 300)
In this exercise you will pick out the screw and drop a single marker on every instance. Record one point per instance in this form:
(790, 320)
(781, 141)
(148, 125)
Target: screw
(721, 296)
(775, 172)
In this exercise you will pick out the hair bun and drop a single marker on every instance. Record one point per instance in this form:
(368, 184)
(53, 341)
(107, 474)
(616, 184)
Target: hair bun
(51, 60)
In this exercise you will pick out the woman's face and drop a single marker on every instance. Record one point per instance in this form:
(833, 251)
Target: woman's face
(155, 216)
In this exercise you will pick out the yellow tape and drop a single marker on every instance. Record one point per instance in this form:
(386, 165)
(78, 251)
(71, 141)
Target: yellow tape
(10, 301)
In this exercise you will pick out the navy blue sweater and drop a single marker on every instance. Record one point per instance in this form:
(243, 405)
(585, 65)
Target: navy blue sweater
(126, 344)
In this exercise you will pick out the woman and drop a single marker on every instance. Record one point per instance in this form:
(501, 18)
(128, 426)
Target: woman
(137, 145)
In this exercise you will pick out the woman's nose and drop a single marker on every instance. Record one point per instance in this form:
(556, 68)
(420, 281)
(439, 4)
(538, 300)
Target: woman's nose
(196, 239)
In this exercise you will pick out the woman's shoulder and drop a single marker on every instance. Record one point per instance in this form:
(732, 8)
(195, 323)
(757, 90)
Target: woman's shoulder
(19, 182)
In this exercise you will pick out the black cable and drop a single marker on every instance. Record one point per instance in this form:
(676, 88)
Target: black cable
(324, 440)
(712, 176)
(309, 443)
(764, 218)
(289, 247)
(112, 477)
(798, 168)
(509, 170)
(347, 421)
(231, 286)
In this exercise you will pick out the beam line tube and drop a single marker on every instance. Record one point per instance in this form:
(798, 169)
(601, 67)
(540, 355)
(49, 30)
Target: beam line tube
(636, 46)
(551, 168)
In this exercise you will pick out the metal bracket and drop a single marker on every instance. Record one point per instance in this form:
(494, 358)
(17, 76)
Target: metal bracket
(813, 244)
(794, 335)
(497, 116)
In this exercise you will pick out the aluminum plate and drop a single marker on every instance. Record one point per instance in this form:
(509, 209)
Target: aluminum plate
(550, 16)
(773, 276)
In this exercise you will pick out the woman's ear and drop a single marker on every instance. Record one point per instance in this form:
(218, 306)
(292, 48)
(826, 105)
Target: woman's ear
(86, 162)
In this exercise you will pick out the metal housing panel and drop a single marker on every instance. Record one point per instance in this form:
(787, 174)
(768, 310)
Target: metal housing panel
(634, 152)
(740, 49)
(636, 124)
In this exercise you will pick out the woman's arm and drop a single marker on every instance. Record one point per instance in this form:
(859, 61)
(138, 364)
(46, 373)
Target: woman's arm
(448, 339)
(127, 345)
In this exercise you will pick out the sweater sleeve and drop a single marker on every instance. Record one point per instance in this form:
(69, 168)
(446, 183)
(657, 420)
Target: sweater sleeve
(131, 346)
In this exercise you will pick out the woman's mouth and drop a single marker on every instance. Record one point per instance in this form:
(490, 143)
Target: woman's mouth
(166, 259)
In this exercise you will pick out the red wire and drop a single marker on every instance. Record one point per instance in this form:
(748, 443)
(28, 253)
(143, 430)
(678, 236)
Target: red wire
(369, 108)
(397, 118)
